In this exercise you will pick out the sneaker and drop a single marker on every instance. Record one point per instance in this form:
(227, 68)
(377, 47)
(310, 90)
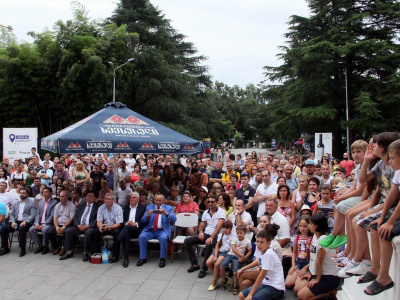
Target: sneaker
(342, 272)
(327, 241)
(211, 288)
(361, 269)
(339, 241)
(339, 257)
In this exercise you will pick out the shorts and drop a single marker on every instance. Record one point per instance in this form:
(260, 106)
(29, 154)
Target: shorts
(222, 253)
(327, 284)
(301, 263)
(264, 292)
(395, 231)
(365, 222)
(345, 205)
(231, 259)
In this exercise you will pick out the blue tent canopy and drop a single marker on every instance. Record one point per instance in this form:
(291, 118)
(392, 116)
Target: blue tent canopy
(117, 129)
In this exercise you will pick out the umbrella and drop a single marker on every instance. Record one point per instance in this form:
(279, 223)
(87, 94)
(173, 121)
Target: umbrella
(299, 143)
(118, 129)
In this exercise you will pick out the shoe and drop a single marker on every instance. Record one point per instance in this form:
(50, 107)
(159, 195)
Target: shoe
(125, 264)
(338, 257)
(202, 274)
(342, 271)
(162, 263)
(4, 251)
(141, 262)
(62, 252)
(39, 249)
(327, 241)
(339, 241)
(66, 255)
(113, 259)
(193, 268)
(58, 249)
(86, 257)
(343, 263)
(22, 252)
(359, 270)
(211, 288)
(45, 250)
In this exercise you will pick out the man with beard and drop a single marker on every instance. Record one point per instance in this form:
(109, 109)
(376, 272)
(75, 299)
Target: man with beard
(347, 163)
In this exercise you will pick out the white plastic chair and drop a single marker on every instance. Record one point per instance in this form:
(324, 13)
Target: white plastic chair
(183, 220)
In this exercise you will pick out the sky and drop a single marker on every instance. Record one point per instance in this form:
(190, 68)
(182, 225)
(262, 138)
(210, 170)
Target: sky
(238, 37)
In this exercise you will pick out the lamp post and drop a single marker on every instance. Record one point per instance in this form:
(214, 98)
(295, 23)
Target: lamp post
(115, 74)
(115, 185)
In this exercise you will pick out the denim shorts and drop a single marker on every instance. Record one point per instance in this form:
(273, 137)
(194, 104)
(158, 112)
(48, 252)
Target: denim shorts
(301, 263)
(265, 292)
(236, 265)
(395, 231)
(222, 253)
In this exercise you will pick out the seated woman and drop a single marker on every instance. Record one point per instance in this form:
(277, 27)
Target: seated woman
(173, 199)
(187, 205)
(224, 201)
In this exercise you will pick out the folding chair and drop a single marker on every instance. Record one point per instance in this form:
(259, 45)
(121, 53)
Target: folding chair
(183, 220)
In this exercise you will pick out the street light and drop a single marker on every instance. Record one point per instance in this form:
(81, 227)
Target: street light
(112, 65)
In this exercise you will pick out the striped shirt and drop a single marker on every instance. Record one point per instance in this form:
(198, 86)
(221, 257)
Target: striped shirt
(110, 217)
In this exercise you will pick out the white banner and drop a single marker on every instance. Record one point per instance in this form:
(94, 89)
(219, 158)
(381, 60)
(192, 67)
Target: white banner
(325, 146)
(18, 142)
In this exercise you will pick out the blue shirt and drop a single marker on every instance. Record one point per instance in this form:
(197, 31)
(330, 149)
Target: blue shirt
(3, 211)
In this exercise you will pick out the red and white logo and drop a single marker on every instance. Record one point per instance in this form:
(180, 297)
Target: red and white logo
(122, 145)
(188, 147)
(147, 146)
(75, 146)
(115, 119)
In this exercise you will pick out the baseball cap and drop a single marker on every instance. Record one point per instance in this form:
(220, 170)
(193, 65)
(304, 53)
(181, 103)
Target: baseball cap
(310, 162)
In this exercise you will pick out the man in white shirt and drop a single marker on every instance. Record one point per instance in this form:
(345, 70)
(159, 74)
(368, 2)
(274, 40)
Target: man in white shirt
(240, 216)
(123, 172)
(267, 190)
(5, 197)
(47, 158)
(283, 236)
(123, 193)
(45, 174)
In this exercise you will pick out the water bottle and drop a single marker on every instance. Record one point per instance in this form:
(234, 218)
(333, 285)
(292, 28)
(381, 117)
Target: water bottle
(16, 226)
(104, 255)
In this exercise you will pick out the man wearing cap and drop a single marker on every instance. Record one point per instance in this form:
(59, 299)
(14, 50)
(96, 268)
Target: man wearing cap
(310, 169)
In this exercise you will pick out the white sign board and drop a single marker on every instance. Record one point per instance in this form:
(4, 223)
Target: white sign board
(326, 141)
(18, 142)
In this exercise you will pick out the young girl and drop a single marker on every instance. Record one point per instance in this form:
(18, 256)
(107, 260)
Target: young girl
(221, 249)
(237, 255)
(325, 206)
(270, 283)
(322, 278)
(301, 252)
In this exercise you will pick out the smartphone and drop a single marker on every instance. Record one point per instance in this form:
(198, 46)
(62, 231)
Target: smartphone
(326, 211)
(156, 212)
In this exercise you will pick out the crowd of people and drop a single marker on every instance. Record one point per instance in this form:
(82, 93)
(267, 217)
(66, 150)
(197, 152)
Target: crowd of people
(314, 212)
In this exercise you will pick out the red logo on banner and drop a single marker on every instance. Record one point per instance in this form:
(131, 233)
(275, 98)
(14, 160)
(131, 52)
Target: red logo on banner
(115, 119)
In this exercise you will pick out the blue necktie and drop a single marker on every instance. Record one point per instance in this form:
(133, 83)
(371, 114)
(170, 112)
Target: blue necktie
(85, 215)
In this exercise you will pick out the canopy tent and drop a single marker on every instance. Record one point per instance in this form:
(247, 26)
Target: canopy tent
(118, 129)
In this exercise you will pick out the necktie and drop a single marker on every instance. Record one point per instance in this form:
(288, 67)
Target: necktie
(155, 226)
(85, 215)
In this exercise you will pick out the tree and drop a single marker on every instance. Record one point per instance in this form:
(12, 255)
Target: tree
(309, 89)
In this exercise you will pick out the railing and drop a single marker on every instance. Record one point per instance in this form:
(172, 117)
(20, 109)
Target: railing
(351, 290)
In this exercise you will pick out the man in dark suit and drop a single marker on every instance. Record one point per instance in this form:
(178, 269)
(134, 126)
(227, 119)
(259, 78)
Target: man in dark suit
(21, 218)
(133, 224)
(84, 223)
(158, 219)
(43, 221)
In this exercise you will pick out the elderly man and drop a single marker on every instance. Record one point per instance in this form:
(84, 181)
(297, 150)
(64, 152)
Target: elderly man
(157, 220)
(43, 221)
(21, 217)
(109, 221)
(64, 213)
(210, 226)
(267, 190)
(283, 236)
(132, 224)
(85, 221)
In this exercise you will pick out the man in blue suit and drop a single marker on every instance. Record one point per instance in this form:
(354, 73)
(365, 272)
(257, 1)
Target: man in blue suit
(157, 220)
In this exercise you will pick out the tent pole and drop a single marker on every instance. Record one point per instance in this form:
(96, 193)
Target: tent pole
(115, 174)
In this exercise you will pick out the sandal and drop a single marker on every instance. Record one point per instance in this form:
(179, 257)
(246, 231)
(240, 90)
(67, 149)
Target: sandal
(338, 257)
(235, 290)
(343, 263)
(368, 277)
(223, 284)
(376, 288)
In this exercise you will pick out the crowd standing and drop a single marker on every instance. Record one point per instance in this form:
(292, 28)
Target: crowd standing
(313, 212)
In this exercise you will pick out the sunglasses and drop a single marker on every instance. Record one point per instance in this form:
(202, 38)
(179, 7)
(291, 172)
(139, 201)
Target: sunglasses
(211, 201)
(279, 171)
(254, 169)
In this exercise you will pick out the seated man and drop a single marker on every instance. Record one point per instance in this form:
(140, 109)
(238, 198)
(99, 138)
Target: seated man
(109, 220)
(85, 221)
(283, 236)
(132, 224)
(158, 219)
(240, 216)
(210, 226)
(64, 213)
(43, 221)
(21, 218)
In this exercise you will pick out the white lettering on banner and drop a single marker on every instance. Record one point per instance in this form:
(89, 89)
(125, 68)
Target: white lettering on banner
(168, 146)
(93, 145)
(127, 131)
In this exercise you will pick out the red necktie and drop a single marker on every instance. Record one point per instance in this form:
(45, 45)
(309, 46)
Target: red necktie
(155, 226)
